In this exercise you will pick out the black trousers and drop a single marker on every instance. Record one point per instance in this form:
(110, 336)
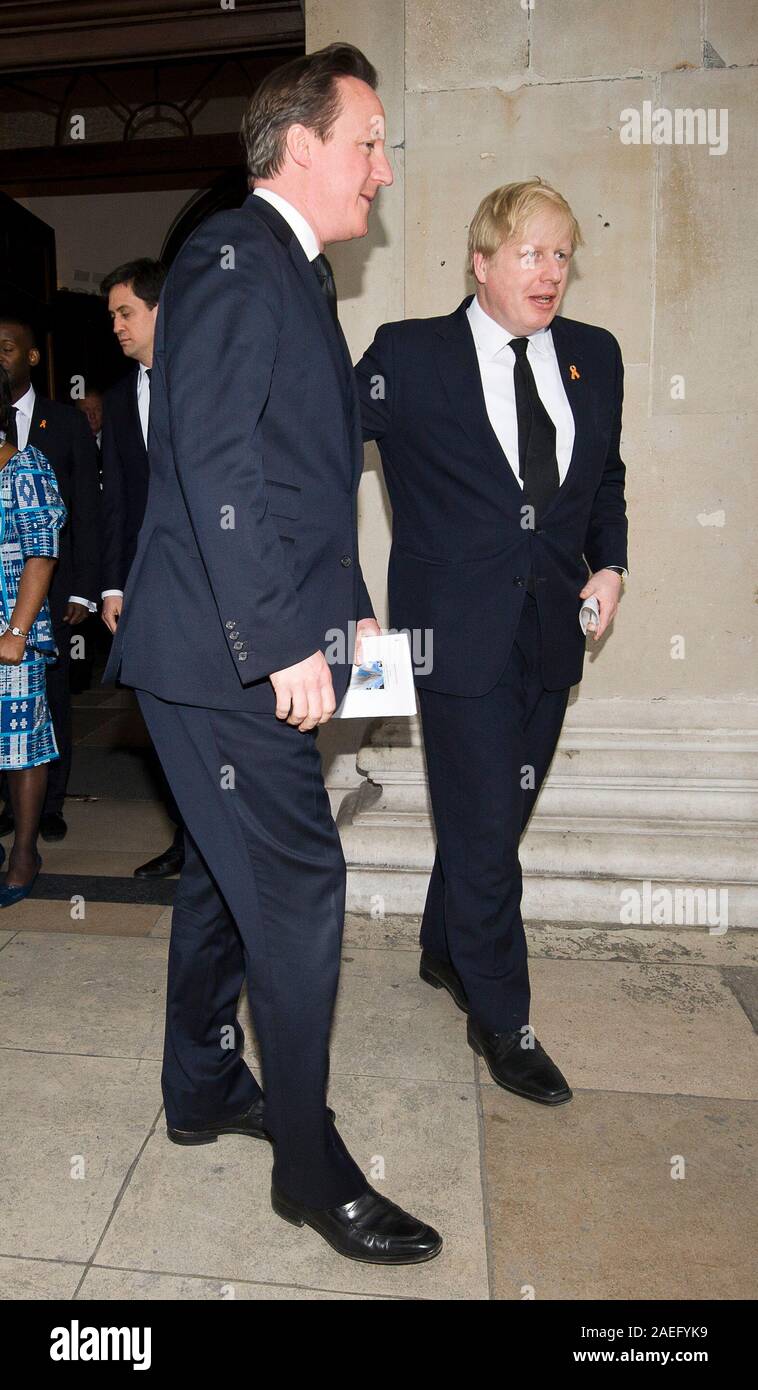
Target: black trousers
(486, 759)
(58, 685)
(261, 897)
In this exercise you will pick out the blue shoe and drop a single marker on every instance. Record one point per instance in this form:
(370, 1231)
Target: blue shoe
(14, 893)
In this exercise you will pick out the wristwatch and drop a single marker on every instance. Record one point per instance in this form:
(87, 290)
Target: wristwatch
(17, 631)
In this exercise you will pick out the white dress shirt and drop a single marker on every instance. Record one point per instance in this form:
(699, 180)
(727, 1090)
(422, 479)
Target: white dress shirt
(143, 400)
(302, 229)
(496, 365)
(143, 410)
(24, 411)
(496, 362)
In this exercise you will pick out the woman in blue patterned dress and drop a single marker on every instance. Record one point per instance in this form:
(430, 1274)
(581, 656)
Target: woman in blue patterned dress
(31, 515)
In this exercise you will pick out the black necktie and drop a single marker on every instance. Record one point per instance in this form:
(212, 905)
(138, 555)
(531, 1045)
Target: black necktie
(538, 464)
(12, 432)
(326, 280)
(147, 372)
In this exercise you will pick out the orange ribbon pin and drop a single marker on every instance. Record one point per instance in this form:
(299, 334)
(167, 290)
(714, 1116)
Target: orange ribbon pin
(573, 373)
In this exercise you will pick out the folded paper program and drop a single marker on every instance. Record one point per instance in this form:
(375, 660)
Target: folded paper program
(589, 614)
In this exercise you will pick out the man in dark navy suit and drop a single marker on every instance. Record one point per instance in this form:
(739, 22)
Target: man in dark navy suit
(246, 564)
(133, 291)
(61, 433)
(499, 429)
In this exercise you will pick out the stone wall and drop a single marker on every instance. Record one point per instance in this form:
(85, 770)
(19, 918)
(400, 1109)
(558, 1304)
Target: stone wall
(486, 91)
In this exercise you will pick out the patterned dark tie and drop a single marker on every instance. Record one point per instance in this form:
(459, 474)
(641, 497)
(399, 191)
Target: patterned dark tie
(326, 280)
(11, 436)
(538, 464)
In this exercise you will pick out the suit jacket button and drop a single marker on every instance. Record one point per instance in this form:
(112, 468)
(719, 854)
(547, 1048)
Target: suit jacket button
(242, 656)
(519, 581)
(230, 624)
(238, 646)
(346, 561)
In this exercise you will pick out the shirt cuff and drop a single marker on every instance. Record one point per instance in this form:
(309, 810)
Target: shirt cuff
(85, 602)
(112, 593)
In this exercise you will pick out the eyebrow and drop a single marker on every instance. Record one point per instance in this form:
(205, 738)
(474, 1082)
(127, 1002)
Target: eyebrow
(539, 246)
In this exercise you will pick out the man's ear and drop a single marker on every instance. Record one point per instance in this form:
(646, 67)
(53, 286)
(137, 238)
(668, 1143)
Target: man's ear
(480, 267)
(33, 357)
(299, 145)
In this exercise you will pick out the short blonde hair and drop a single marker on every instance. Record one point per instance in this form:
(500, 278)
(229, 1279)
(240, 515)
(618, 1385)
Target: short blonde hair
(506, 211)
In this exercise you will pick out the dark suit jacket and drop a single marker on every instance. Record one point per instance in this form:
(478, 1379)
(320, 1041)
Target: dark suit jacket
(125, 480)
(247, 560)
(460, 555)
(64, 436)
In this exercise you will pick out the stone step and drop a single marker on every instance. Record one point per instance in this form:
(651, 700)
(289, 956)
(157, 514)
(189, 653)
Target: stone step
(388, 892)
(675, 804)
(681, 799)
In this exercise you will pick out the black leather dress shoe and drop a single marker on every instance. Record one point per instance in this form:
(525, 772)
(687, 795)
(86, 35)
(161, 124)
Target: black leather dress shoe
(371, 1229)
(250, 1123)
(440, 974)
(526, 1071)
(163, 865)
(52, 826)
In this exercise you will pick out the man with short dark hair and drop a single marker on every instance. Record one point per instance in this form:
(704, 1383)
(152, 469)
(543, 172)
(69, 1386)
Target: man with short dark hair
(246, 565)
(62, 434)
(133, 291)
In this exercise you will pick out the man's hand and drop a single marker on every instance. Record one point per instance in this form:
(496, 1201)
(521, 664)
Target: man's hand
(366, 627)
(75, 613)
(606, 586)
(112, 606)
(304, 692)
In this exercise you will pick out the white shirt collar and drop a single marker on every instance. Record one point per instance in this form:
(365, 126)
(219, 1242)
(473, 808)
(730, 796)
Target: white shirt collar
(143, 370)
(490, 337)
(25, 403)
(302, 229)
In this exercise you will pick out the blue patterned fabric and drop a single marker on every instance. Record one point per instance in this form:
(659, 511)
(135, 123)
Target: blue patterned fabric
(31, 516)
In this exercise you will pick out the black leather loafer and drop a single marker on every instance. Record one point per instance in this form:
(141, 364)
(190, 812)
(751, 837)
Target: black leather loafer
(163, 865)
(250, 1123)
(440, 974)
(371, 1229)
(526, 1071)
(52, 826)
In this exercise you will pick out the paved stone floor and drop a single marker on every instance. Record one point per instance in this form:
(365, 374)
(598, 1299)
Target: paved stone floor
(642, 1187)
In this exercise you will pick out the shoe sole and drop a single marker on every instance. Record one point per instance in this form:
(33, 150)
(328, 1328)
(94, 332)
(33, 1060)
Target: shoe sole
(436, 983)
(188, 1138)
(523, 1095)
(288, 1213)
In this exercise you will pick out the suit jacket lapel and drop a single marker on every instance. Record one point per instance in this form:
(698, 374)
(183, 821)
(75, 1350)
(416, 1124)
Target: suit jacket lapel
(459, 368)
(36, 431)
(133, 409)
(577, 384)
(334, 341)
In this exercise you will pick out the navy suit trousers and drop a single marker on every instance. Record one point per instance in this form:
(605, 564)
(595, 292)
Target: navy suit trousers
(486, 757)
(261, 897)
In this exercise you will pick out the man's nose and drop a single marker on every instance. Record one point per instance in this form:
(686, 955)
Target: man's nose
(382, 171)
